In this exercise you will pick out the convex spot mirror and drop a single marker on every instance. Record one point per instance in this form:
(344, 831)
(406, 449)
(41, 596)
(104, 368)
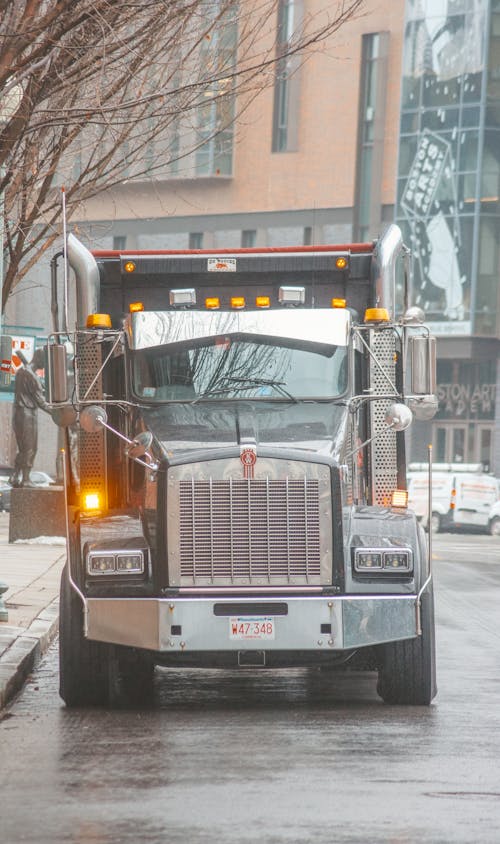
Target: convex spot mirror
(398, 417)
(93, 418)
(140, 445)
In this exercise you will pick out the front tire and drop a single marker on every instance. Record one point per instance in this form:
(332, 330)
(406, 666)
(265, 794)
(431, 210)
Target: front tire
(407, 669)
(84, 666)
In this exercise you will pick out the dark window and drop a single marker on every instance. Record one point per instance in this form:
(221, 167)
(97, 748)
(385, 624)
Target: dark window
(248, 238)
(196, 240)
(368, 206)
(286, 86)
(119, 241)
(307, 237)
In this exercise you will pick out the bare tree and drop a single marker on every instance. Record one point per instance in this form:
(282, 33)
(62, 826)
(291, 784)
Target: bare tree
(93, 92)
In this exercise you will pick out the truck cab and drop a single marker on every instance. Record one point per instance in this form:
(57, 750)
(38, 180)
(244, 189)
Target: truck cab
(237, 496)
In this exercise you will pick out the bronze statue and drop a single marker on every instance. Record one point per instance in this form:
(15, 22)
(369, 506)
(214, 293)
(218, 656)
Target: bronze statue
(28, 398)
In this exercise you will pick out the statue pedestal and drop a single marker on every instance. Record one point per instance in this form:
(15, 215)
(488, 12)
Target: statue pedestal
(37, 512)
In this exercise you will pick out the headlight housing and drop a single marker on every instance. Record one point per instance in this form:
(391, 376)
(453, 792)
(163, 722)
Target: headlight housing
(383, 561)
(119, 562)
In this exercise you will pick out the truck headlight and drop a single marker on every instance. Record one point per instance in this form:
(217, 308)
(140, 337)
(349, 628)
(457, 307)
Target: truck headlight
(368, 560)
(115, 562)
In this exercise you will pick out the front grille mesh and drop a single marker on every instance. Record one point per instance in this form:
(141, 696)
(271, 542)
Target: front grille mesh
(252, 531)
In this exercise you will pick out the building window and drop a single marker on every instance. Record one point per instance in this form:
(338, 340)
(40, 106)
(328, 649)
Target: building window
(248, 238)
(119, 241)
(196, 240)
(286, 86)
(307, 237)
(215, 118)
(368, 204)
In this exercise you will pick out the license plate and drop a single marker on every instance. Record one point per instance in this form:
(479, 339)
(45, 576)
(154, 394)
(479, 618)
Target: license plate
(251, 627)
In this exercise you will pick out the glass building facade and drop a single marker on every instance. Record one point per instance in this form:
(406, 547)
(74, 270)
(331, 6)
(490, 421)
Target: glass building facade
(449, 161)
(448, 207)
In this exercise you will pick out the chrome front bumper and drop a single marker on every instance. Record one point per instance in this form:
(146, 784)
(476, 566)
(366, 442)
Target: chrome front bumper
(311, 623)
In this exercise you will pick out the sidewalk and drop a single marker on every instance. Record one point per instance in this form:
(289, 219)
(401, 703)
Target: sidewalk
(32, 571)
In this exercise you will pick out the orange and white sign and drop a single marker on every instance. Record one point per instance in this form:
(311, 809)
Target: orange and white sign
(26, 345)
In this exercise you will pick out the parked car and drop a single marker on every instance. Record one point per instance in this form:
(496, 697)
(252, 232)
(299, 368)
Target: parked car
(5, 489)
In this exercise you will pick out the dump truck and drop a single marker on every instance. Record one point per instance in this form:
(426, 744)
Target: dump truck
(234, 461)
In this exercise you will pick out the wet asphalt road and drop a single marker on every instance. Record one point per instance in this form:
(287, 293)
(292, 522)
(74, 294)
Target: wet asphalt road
(275, 757)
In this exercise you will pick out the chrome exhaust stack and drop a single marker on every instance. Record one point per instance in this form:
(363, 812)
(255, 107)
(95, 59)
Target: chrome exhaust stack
(86, 271)
(385, 254)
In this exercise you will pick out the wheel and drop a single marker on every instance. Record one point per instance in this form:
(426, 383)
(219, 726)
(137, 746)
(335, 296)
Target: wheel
(435, 523)
(95, 673)
(407, 669)
(84, 666)
(495, 526)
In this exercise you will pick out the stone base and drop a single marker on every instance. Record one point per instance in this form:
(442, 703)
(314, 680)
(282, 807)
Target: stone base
(37, 512)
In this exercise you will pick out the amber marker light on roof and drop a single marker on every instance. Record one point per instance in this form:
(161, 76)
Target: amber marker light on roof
(377, 315)
(212, 303)
(129, 267)
(237, 301)
(341, 263)
(98, 321)
(338, 303)
(262, 301)
(134, 307)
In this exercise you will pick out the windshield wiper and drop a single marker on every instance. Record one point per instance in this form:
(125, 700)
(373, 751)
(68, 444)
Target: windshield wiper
(212, 391)
(264, 382)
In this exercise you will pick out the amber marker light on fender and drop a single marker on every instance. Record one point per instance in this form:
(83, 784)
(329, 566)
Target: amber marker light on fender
(399, 498)
(91, 501)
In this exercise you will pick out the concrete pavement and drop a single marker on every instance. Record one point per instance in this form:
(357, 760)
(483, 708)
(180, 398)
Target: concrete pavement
(32, 571)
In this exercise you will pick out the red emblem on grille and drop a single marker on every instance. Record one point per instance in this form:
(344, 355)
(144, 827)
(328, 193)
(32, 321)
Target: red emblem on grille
(248, 457)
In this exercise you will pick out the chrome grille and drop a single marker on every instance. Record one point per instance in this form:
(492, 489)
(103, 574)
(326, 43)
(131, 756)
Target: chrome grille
(236, 531)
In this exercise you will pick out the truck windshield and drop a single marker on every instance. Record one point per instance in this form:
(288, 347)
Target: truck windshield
(236, 367)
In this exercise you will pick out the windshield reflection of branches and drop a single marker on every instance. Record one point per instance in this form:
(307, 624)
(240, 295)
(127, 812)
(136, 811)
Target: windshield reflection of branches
(212, 365)
(235, 367)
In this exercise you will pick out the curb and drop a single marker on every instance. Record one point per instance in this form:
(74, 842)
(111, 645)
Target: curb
(25, 651)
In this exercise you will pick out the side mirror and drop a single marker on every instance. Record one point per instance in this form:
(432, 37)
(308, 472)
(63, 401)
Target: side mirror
(56, 386)
(422, 353)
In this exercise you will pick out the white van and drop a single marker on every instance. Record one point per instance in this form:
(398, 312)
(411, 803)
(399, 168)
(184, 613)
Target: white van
(494, 520)
(462, 495)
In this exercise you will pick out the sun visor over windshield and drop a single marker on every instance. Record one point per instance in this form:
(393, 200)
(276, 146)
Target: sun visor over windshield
(155, 328)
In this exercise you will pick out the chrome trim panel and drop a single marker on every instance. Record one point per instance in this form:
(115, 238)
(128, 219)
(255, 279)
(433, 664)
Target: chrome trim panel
(355, 622)
(272, 530)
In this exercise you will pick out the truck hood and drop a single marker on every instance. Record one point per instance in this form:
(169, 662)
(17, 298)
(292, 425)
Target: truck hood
(315, 427)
